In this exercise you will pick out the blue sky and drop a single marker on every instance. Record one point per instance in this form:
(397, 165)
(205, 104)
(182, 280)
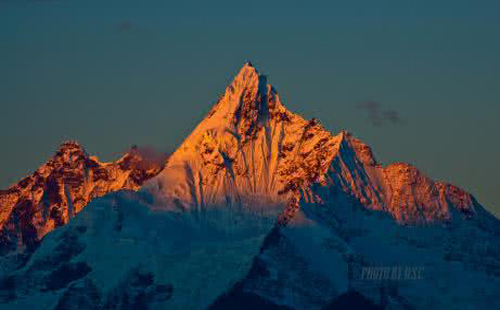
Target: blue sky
(115, 73)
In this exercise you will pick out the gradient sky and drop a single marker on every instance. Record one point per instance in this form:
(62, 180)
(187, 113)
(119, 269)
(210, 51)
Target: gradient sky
(417, 80)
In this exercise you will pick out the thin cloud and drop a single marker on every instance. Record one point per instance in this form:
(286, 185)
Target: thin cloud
(150, 155)
(125, 26)
(377, 115)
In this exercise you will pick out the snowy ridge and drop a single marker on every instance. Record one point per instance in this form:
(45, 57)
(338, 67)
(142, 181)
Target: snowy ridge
(399, 189)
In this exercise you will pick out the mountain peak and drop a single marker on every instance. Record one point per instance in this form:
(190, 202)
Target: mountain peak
(247, 77)
(236, 151)
(251, 145)
(245, 106)
(70, 145)
(61, 187)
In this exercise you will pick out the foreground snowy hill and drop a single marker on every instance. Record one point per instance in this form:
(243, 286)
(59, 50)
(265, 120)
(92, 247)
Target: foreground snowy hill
(259, 208)
(120, 253)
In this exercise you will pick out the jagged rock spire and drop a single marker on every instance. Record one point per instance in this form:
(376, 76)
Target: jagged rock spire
(62, 187)
(245, 96)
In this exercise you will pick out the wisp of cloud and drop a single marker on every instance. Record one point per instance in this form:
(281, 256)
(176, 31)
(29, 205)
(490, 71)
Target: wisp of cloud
(377, 115)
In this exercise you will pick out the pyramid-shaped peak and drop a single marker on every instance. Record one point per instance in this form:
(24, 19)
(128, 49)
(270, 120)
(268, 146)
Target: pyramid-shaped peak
(248, 105)
(247, 76)
(248, 96)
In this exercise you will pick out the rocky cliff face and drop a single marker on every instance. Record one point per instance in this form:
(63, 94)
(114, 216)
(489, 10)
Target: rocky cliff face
(61, 188)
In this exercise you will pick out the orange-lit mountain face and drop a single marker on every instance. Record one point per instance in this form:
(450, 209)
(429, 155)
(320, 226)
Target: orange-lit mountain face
(258, 207)
(250, 145)
(60, 188)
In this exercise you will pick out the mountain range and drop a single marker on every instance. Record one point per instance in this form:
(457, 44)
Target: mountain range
(258, 208)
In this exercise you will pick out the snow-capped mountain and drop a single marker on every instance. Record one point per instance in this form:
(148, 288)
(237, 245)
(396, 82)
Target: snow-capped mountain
(60, 188)
(250, 145)
(246, 156)
(262, 209)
